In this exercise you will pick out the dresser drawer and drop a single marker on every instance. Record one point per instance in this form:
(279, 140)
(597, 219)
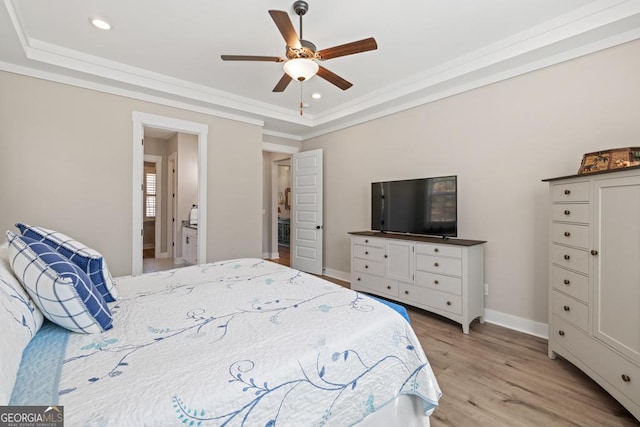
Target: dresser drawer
(429, 297)
(368, 253)
(439, 250)
(616, 370)
(570, 283)
(369, 267)
(570, 234)
(570, 212)
(373, 242)
(375, 284)
(439, 265)
(574, 192)
(452, 285)
(574, 259)
(570, 310)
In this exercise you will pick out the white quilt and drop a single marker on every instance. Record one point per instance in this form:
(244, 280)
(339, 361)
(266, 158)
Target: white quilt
(241, 343)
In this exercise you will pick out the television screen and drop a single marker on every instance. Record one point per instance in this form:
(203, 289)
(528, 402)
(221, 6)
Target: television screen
(418, 206)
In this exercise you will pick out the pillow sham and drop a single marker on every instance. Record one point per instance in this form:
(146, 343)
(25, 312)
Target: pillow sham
(89, 260)
(20, 319)
(61, 290)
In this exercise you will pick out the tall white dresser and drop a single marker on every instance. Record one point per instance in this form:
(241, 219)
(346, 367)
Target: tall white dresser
(594, 278)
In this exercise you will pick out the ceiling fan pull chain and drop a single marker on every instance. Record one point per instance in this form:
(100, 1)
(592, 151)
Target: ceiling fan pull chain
(301, 105)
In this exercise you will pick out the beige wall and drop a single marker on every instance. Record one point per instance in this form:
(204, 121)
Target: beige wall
(501, 140)
(66, 163)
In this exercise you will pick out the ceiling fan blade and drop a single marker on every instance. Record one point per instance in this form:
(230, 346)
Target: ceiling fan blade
(333, 78)
(348, 49)
(251, 58)
(283, 83)
(285, 26)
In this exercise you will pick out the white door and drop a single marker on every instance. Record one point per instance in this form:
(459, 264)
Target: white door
(306, 211)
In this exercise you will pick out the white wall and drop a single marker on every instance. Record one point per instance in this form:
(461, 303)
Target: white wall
(66, 163)
(501, 140)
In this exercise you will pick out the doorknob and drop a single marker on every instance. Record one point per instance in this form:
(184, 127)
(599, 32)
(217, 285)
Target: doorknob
(318, 227)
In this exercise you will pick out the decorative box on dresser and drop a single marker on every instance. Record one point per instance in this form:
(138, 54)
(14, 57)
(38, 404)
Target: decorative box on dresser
(594, 278)
(443, 276)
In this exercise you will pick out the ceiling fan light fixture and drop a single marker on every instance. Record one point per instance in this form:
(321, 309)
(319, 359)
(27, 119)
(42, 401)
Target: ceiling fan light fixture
(301, 69)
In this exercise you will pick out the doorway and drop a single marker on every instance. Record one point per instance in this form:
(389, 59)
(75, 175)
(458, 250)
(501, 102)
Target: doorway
(199, 133)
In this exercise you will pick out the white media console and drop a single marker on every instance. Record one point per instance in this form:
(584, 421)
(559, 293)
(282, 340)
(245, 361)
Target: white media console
(443, 276)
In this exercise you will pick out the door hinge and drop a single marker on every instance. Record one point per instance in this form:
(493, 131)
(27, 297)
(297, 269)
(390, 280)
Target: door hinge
(142, 232)
(142, 141)
(142, 187)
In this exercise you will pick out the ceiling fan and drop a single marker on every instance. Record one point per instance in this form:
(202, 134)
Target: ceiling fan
(301, 55)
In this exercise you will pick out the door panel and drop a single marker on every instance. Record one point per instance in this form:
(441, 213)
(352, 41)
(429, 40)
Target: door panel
(306, 225)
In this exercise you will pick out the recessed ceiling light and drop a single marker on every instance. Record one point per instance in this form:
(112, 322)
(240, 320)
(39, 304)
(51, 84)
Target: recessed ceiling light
(316, 95)
(100, 23)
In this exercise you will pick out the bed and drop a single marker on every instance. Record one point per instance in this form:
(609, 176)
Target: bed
(235, 343)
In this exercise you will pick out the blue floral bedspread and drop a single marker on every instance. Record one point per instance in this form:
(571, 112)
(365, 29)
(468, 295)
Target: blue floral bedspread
(242, 343)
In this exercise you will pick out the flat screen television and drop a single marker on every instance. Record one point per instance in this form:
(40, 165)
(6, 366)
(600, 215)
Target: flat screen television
(418, 206)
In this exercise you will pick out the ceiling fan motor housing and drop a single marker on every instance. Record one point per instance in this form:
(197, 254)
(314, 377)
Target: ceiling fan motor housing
(300, 7)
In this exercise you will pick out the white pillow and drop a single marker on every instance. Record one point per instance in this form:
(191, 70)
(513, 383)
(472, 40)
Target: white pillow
(20, 319)
(61, 290)
(89, 260)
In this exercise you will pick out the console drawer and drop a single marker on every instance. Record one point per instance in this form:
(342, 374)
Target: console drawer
(375, 284)
(574, 259)
(368, 253)
(452, 285)
(570, 234)
(615, 369)
(429, 297)
(570, 212)
(570, 283)
(439, 250)
(368, 241)
(439, 265)
(570, 310)
(369, 267)
(574, 192)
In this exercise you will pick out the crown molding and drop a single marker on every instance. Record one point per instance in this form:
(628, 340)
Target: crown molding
(524, 52)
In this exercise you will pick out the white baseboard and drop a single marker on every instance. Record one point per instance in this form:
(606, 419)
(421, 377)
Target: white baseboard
(149, 246)
(516, 323)
(499, 318)
(163, 255)
(270, 255)
(336, 274)
(179, 260)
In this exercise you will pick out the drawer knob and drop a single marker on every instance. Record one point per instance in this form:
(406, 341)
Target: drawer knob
(436, 250)
(567, 234)
(366, 266)
(448, 302)
(358, 279)
(388, 287)
(561, 332)
(566, 308)
(366, 241)
(567, 192)
(567, 257)
(386, 256)
(567, 212)
(435, 282)
(366, 252)
(406, 292)
(626, 378)
(436, 264)
(594, 252)
(566, 281)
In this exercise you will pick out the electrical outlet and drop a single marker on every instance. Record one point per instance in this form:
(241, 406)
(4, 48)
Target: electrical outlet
(486, 289)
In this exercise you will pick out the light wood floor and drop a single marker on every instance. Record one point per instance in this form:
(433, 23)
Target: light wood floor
(499, 377)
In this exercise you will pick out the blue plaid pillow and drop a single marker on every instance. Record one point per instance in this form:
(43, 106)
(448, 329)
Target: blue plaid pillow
(61, 290)
(89, 260)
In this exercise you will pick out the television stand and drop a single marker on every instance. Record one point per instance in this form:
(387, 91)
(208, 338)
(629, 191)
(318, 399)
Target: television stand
(439, 274)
